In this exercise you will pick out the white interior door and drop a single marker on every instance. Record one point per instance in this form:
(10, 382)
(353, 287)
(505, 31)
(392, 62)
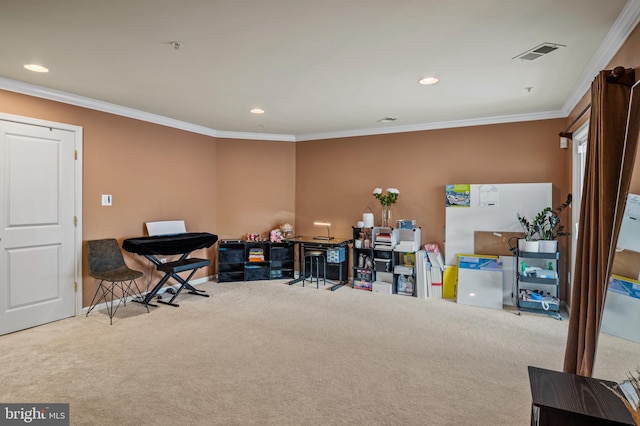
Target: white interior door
(37, 261)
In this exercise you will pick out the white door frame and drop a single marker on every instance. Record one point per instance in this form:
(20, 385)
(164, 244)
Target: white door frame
(579, 142)
(78, 142)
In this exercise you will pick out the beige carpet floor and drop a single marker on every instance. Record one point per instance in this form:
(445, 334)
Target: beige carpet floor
(264, 353)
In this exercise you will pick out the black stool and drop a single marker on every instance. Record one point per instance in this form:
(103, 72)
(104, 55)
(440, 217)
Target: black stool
(315, 258)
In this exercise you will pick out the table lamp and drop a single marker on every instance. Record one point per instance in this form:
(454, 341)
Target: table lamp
(328, 225)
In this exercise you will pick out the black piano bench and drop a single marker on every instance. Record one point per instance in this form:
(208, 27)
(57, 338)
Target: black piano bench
(171, 269)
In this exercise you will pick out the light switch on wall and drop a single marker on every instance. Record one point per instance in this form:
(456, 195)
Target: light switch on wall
(106, 199)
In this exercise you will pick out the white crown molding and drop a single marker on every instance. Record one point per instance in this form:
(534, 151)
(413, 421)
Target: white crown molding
(84, 102)
(617, 35)
(615, 38)
(547, 115)
(68, 98)
(256, 136)
(81, 101)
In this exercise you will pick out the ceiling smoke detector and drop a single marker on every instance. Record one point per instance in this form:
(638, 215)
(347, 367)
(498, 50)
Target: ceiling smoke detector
(538, 51)
(387, 120)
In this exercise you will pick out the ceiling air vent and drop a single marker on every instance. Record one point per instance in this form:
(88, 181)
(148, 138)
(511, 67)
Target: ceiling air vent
(538, 51)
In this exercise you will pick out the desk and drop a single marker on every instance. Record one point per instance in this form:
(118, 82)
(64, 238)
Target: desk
(182, 244)
(563, 399)
(310, 243)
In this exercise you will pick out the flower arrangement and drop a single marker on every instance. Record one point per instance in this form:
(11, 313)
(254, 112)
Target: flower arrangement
(390, 198)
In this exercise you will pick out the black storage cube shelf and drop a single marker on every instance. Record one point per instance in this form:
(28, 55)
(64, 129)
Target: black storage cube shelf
(251, 261)
(280, 252)
(231, 254)
(253, 272)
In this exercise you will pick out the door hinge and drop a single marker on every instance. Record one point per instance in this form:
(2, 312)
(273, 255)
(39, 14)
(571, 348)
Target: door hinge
(75, 221)
(75, 154)
(75, 286)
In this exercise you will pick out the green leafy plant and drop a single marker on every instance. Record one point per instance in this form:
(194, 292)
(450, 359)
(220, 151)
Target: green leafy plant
(546, 223)
(530, 227)
(549, 225)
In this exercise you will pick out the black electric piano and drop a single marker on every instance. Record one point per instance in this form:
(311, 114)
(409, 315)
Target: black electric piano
(165, 245)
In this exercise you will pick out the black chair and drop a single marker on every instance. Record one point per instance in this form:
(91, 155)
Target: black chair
(106, 264)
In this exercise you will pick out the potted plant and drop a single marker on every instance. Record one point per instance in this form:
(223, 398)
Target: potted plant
(531, 228)
(550, 227)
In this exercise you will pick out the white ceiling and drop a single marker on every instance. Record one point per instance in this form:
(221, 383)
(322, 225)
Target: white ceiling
(319, 69)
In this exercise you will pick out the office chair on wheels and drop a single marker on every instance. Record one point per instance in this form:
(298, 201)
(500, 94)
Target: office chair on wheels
(107, 265)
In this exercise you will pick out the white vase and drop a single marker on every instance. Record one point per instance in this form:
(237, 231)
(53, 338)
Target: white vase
(548, 246)
(528, 246)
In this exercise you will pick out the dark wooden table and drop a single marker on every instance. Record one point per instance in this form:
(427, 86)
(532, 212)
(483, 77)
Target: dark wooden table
(565, 399)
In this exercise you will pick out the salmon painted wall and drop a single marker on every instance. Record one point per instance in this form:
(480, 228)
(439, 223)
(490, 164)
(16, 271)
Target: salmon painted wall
(256, 186)
(228, 187)
(335, 178)
(152, 172)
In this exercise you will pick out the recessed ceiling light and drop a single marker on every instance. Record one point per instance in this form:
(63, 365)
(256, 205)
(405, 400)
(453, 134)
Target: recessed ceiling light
(36, 68)
(428, 80)
(257, 111)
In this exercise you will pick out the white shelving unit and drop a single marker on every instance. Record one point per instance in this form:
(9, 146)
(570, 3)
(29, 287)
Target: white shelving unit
(404, 260)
